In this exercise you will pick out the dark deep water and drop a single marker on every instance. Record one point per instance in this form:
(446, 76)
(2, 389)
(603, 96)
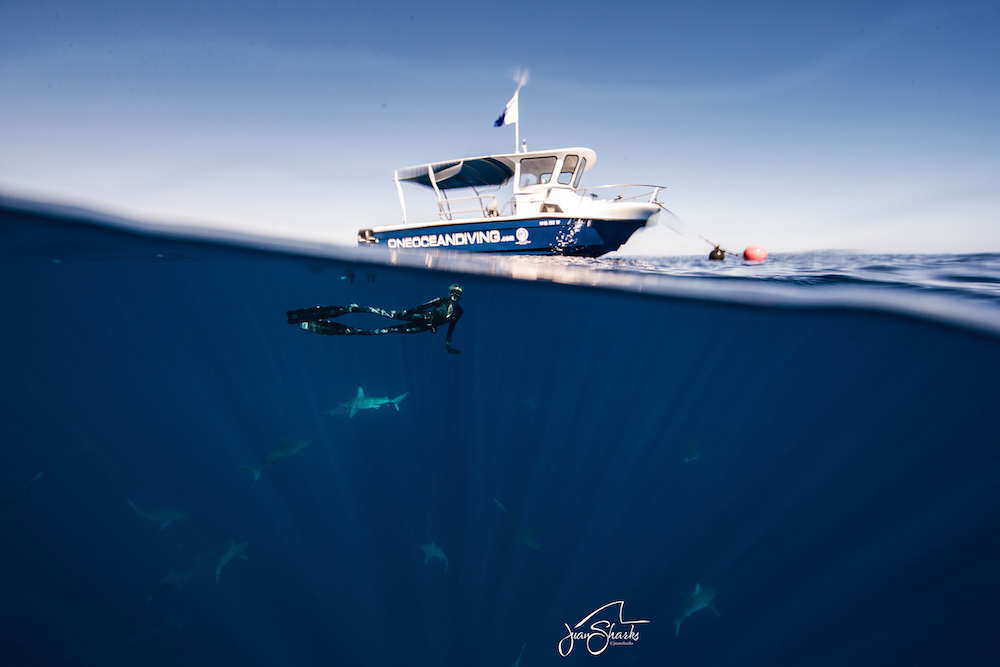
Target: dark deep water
(844, 502)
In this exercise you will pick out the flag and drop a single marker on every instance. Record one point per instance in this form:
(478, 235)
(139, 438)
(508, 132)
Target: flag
(509, 115)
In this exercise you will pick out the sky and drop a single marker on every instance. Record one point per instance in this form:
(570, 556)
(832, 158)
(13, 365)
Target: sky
(868, 126)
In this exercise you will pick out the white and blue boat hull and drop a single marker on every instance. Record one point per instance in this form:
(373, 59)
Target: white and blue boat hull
(549, 235)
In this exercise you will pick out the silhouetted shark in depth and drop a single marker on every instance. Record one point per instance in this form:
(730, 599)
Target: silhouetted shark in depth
(175, 580)
(700, 599)
(172, 580)
(434, 551)
(163, 517)
(517, 664)
(11, 497)
(287, 448)
(691, 451)
(522, 531)
(175, 623)
(235, 551)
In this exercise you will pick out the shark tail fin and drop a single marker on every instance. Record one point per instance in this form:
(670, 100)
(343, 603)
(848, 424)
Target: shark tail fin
(255, 473)
(396, 400)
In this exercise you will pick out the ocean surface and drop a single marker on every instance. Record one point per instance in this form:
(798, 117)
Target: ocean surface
(633, 461)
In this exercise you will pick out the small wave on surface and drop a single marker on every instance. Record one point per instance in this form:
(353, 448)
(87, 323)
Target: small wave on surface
(974, 276)
(962, 290)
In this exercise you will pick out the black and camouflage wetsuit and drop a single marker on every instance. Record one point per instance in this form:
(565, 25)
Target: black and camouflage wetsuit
(425, 317)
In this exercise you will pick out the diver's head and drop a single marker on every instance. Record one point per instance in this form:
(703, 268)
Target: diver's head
(455, 291)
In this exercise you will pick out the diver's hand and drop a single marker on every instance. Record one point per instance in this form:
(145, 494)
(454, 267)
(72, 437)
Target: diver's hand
(453, 350)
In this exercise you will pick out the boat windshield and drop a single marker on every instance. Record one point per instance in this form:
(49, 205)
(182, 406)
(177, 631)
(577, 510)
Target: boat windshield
(579, 172)
(536, 171)
(568, 167)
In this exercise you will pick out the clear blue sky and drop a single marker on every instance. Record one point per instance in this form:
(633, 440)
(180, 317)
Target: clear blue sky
(833, 124)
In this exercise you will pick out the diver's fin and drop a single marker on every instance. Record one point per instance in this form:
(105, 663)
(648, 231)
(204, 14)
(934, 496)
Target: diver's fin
(329, 328)
(311, 314)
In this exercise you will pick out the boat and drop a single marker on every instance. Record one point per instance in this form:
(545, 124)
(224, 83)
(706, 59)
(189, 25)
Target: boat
(549, 213)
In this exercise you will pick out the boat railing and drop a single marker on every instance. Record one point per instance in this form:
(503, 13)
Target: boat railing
(484, 204)
(649, 192)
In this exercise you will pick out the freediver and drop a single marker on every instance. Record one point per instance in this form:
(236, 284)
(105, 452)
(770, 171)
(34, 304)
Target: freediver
(425, 317)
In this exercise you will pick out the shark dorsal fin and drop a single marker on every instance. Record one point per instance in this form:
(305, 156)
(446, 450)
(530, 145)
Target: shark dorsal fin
(361, 392)
(697, 589)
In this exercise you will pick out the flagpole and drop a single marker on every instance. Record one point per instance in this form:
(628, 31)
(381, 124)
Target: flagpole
(511, 115)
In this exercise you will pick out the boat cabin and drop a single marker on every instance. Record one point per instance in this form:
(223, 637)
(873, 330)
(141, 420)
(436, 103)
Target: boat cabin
(544, 182)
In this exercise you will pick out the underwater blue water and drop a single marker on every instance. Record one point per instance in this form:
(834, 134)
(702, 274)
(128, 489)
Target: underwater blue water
(807, 437)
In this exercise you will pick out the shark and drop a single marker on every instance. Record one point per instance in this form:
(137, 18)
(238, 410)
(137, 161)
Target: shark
(175, 580)
(362, 402)
(235, 551)
(164, 517)
(434, 551)
(286, 448)
(691, 451)
(175, 623)
(11, 497)
(530, 403)
(700, 599)
(341, 409)
(522, 531)
(172, 580)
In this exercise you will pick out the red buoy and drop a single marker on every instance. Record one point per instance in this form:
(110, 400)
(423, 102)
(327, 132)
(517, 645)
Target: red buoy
(755, 253)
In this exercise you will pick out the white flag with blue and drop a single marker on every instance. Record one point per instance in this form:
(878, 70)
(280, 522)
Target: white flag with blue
(509, 115)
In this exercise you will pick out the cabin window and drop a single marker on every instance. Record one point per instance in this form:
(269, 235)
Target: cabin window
(579, 172)
(536, 170)
(568, 167)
